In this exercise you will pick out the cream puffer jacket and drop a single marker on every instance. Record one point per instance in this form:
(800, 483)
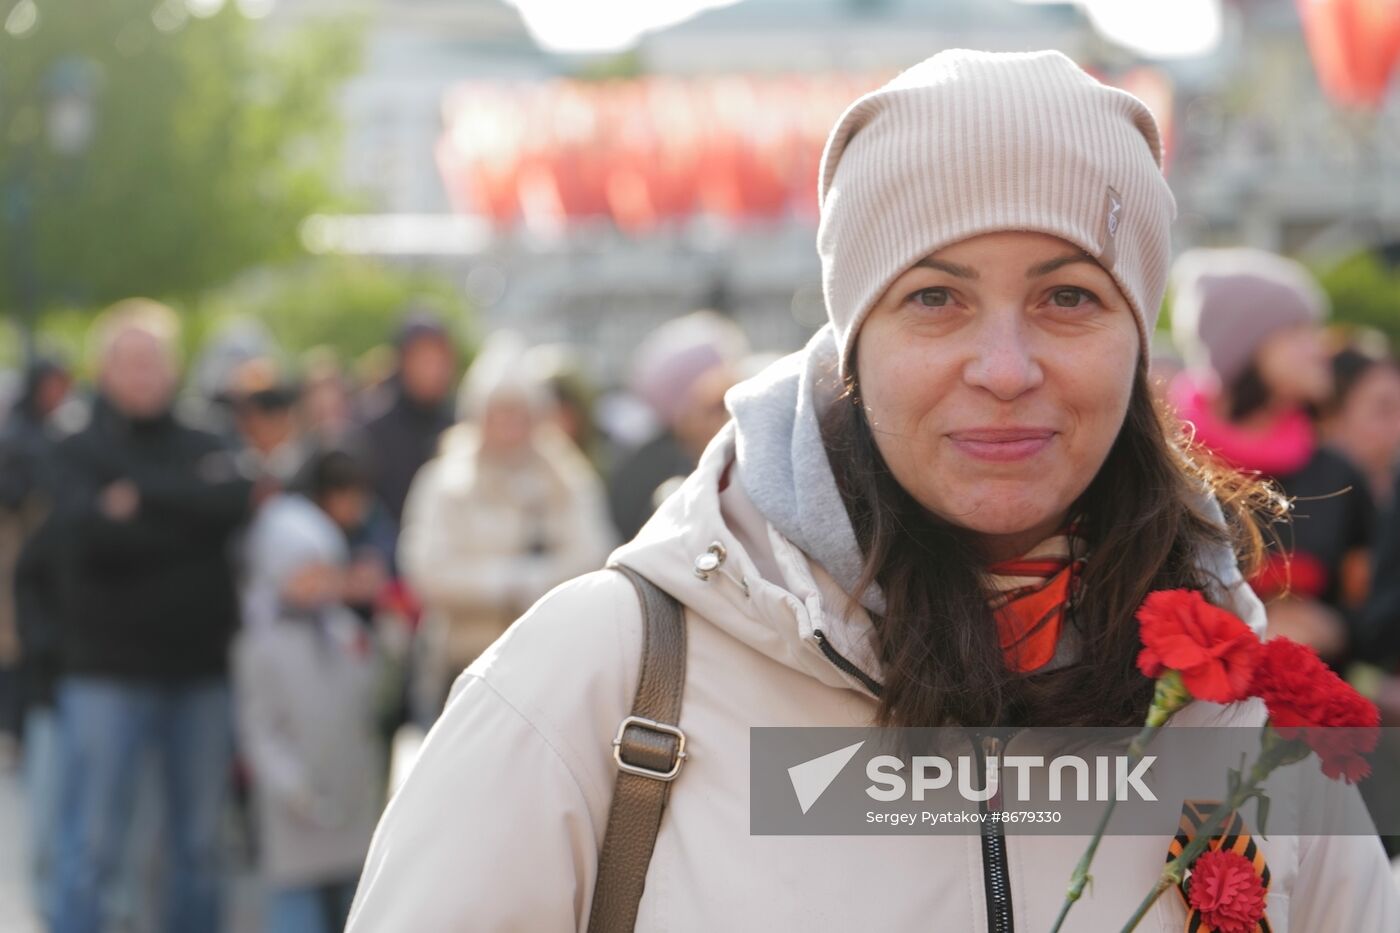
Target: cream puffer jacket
(482, 541)
(498, 825)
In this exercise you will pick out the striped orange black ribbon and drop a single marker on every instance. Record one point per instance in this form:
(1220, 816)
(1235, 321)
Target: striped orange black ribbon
(1234, 837)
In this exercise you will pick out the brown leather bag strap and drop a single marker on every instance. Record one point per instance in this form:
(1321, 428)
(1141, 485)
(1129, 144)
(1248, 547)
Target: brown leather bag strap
(649, 750)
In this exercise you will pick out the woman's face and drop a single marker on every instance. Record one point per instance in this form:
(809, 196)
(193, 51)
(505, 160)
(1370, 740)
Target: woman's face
(995, 375)
(1294, 365)
(506, 425)
(1368, 426)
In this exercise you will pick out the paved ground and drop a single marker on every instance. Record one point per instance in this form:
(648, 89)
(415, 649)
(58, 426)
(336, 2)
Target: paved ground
(245, 897)
(16, 911)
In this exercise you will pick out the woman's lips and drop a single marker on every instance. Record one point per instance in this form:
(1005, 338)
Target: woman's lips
(1002, 445)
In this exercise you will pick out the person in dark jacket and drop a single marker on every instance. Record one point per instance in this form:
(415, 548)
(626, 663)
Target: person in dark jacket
(407, 415)
(31, 605)
(25, 496)
(1380, 623)
(1378, 640)
(681, 370)
(1362, 419)
(143, 540)
(336, 482)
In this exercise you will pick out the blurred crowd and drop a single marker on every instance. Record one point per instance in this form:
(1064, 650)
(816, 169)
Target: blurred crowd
(225, 595)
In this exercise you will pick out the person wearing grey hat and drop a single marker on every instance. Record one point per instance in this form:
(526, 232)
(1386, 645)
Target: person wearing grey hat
(681, 371)
(1250, 324)
(944, 511)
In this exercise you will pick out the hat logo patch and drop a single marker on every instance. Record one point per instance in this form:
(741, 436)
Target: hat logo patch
(1112, 220)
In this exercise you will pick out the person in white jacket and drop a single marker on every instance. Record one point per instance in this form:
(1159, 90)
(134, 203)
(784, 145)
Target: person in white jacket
(853, 550)
(307, 683)
(508, 508)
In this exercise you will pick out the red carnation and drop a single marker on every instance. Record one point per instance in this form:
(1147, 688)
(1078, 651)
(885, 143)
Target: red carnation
(1307, 700)
(1227, 892)
(1213, 650)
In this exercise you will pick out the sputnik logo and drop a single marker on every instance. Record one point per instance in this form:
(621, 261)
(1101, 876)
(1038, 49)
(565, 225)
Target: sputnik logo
(811, 778)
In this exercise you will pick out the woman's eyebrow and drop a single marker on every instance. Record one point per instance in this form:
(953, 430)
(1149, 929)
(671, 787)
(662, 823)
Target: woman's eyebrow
(1049, 266)
(952, 268)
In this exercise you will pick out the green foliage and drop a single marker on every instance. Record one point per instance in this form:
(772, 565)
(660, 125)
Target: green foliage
(1365, 292)
(348, 305)
(351, 305)
(209, 145)
(620, 67)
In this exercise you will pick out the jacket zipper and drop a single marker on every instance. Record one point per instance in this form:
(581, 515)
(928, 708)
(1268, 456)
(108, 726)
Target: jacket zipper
(995, 873)
(844, 665)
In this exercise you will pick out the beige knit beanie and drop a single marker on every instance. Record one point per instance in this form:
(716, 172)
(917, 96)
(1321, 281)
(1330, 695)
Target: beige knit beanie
(967, 143)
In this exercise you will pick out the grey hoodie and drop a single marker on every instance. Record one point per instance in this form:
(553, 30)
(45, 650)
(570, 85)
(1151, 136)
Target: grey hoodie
(782, 463)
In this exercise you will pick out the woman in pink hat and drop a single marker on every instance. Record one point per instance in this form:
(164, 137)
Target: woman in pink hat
(1251, 324)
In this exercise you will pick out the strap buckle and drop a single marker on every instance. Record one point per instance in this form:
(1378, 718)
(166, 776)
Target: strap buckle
(641, 722)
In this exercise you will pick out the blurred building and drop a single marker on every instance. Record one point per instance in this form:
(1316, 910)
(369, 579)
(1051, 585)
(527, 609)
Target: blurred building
(1264, 158)
(570, 210)
(415, 51)
(834, 36)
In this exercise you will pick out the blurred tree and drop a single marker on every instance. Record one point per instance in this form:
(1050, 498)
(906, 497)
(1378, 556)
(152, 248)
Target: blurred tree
(350, 304)
(1365, 291)
(157, 146)
(622, 66)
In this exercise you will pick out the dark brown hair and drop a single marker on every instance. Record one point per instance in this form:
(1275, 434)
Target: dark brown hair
(941, 661)
(1351, 365)
(1248, 393)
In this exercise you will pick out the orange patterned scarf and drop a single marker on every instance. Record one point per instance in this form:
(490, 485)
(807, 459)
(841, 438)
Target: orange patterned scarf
(1031, 595)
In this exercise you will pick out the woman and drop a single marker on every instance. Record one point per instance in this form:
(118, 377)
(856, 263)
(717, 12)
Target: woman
(1362, 419)
(1251, 322)
(508, 509)
(994, 246)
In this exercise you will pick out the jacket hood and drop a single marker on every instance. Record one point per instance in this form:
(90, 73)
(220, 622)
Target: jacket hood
(783, 465)
(711, 547)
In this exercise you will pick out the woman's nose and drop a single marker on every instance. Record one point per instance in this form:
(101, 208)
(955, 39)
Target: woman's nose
(1002, 360)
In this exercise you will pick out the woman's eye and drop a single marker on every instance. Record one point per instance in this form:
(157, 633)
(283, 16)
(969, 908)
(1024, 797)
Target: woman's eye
(932, 297)
(1070, 297)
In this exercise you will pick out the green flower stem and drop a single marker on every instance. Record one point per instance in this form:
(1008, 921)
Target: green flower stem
(1080, 877)
(1169, 694)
